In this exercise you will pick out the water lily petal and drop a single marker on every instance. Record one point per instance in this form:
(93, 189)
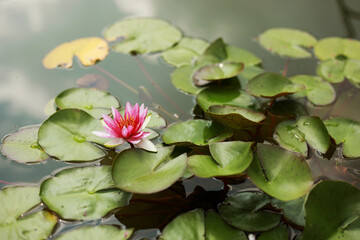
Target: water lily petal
(147, 120)
(115, 142)
(147, 145)
(125, 132)
(102, 134)
(128, 110)
(135, 111)
(117, 116)
(109, 122)
(134, 141)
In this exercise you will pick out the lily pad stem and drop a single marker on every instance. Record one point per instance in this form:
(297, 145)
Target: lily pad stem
(286, 67)
(4, 182)
(131, 145)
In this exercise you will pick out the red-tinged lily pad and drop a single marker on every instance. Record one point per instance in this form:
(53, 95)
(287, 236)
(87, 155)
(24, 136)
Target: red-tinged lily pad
(272, 85)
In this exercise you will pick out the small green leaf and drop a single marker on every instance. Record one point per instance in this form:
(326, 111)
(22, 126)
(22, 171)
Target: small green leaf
(83, 193)
(347, 132)
(140, 171)
(197, 132)
(332, 70)
(287, 42)
(107, 232)
(94, 102)
(215, 53)
(142, 35)
(238, 55)
(333, 47)
(278, 233)
(280, 173)
(243, 211)
(182, 79)
(317, 91)
(293, 210)
(22, 146)
(271, 85)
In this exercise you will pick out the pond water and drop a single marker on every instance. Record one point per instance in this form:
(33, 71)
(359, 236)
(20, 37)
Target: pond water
(30, 29)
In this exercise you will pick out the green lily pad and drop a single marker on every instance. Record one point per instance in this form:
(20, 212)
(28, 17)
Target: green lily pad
(235, 117)
(315, 133)
(249, 73)
(271, 85)
(332, 70)
(216, 72)
(197, 132)
(278, 233)
(288, 136)
(216, 95)
(67, 135)
(182, 79)
(15, 201)
(352, 72)
(50, 107)
(94, 102)
(287, 42)
(83, 193)
(228, 158)
(282, 174)
(185, 51)
(317, 91)
(189, 225)
(140, 171)
(108, 232)
(215, 53)
(21, 146)
(293, 211)
(333, 47)
(217, 229)
(243, 211)
(333, 212)
(142, 35)
(347, 132)
(235, 54)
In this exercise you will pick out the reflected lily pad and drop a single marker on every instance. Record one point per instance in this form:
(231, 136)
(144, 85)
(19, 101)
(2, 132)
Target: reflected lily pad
(107, 232)
(235, 117)
(293, 211)
(216, 95)
(216, 72)
(15, 201)
(317, 91)
(333, 47)
(140, 171)
(142, 35)
(332, 212)
(67, 135)
(93, 80)
(182, 79)
(278, 233)
(271, 85)
(185, 51)
(189, 225)
(287, 42)
(83, 193)
(21, 146)
(315, 133)
(288, 136)
(197, 132)
(228, 158)
(217, 229)
(347, 132)
(282, 174)
(88, 50)
(243, 211)
(94, 102)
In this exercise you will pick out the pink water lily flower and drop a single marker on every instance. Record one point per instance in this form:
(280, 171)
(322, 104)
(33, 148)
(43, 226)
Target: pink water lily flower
(128, 128)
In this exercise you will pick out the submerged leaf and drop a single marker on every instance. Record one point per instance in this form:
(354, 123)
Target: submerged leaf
(278, 233)
(287, 42)
(88, 50)
(107, 232)
(293, 211)
(142, 35)
(93, 80)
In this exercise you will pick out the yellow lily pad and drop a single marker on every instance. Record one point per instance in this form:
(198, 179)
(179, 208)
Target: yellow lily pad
(88, 50)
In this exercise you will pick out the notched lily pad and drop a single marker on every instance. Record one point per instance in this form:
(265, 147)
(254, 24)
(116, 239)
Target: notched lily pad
(271, 85)
(332, 212)
(84, 193)
(94, 102)
(216, 72)
(228, 158)
(140, 171)
(333, 47)
(16, 201)
(142, 35)
(347, 132)
(287, 42)
(21, 146)
(243, 211)
(282, 174)
(67, 135)
(195, 132)
(317, 91)
(88, 50)
(108, 232)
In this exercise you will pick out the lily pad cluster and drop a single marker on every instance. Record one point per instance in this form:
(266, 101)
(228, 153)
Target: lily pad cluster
(249, 125)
